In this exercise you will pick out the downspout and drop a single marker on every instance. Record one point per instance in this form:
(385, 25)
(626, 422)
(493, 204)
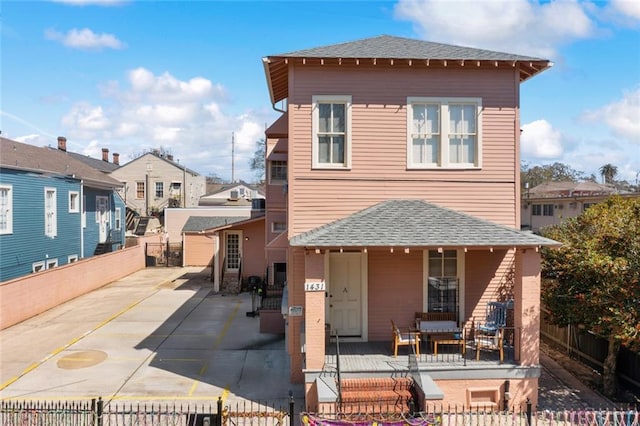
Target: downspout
(82, 215)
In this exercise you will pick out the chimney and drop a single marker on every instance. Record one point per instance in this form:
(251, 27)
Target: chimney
(170, 157)
(105, 154)
(116, 158)
(62, 143)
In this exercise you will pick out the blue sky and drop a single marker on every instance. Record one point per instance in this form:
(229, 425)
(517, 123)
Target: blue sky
(186, 75)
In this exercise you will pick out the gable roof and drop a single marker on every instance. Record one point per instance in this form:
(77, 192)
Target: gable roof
(388, 48)
(22, 156)
(162, 157)
(415, 223)
(202, 223)
(103, 166)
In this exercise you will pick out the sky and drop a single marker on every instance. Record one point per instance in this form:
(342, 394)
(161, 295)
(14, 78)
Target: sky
(187, 76)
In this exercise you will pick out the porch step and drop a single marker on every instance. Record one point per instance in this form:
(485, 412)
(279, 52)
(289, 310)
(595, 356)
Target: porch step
(102, 248)
(230, 283)
(377, 394)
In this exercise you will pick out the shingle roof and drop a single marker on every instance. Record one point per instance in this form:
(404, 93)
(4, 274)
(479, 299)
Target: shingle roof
(386, 46)
(415, 223)
(387, 49)
(103, 166)
(201, 223)
(21, 156)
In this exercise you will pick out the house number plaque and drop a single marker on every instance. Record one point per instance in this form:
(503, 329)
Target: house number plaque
(315, 286)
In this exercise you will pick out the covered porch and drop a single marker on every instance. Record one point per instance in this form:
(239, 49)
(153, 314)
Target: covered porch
(402, 258)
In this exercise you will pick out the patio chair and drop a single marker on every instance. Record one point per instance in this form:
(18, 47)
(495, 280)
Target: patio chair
(490, 333)
(406, 338)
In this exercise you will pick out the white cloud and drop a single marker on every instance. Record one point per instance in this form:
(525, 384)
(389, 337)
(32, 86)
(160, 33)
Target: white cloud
(85, 39)
(621, 116)
(629, 8)
(515, 26)
(541, 141)
(189, 117)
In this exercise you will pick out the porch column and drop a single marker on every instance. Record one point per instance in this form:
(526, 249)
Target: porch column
(314, 317)
(527, 312)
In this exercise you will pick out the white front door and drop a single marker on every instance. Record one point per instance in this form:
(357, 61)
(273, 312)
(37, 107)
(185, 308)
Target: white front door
(102, 217)
(345, 289)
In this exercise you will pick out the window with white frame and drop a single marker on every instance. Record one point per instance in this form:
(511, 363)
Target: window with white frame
(50, 213)
(37, 267)
(277, 227)
(443, 132)
(442, 281)
(6, 209)
(74, 202)
(159, 189)
(72, 258)
(139, 190)
(51, 263)
(331, 131)
(277, 172)
(118, 219)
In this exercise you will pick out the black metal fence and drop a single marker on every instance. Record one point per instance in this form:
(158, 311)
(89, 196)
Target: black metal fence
(98, 413)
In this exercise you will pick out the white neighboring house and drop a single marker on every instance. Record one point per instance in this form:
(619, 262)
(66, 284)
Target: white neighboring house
(552, 202)
(232, 195)
(155, 181)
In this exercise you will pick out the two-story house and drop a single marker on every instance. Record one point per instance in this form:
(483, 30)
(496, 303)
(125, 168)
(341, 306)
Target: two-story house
(54, 209)
(551, 203)
(402, 198)
(154, 181)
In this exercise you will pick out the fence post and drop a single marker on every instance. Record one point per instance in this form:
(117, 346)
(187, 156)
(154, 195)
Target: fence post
(529, 410)
(219, 416)
(99, 410)
(291, 407)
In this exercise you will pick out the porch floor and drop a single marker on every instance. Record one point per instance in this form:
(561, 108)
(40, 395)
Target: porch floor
(370, 357)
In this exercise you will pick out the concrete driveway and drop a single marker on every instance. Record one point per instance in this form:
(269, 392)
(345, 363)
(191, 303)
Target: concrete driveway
(158, 335)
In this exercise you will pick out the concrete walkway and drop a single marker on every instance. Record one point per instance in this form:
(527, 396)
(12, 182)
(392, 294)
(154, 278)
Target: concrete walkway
(158, 335)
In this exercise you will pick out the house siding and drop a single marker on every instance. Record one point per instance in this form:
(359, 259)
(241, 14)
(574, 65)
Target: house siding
(28, 243)
(92, 228)
(379, 123)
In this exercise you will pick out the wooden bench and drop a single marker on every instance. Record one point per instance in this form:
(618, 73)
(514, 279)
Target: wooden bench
(444, 341)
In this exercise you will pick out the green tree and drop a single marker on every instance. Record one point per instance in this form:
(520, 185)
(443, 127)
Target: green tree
(608, 173)
(555, 172)
(257, 162)
(594, 278)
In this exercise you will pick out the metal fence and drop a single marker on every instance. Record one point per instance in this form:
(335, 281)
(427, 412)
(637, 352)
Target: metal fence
(97, 413)
(462, 416)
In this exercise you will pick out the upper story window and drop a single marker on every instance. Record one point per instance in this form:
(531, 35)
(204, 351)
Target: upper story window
(6, 209)
(50, 213)
(159, 189)
(331, 128)
(443, 132)
(74, 202)
(277, 172)
(139, 190)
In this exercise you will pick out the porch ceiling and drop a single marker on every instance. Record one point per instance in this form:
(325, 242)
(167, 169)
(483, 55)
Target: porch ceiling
(415, 223)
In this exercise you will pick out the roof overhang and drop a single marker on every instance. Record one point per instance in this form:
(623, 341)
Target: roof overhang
(277, 67)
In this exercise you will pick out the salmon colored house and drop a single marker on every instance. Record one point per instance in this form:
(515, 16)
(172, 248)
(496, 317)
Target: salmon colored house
(394, 172)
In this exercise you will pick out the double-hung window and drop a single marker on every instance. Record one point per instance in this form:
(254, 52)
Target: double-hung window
(6, 209)
(278, 172)
(331, 128)
(50, 213)
(443, 132)
(140, 190)
(74, 202)
(159, 189)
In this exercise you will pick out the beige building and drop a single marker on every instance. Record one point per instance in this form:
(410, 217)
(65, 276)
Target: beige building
(155, 181)
(552, 202)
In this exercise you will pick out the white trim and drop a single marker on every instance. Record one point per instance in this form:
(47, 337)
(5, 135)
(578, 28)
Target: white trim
(38, 266)
(74, 207)
(443, 161)
(9, 209)
(72, 258)
(51, 263)
(336, 99)
(51, 213)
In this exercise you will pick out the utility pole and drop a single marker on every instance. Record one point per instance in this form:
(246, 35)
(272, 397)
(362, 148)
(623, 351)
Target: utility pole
(233, 166)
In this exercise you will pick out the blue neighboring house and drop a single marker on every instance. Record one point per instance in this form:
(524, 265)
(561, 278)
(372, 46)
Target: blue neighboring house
(54, 210)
